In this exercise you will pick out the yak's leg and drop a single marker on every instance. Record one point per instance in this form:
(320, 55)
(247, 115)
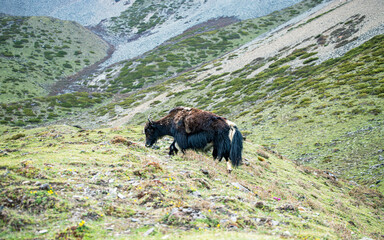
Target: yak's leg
(229, 165)
(182, 141)
(214, 154)
(173, 148)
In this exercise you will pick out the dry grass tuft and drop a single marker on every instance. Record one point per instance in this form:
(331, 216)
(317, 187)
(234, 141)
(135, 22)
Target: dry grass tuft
(120, 139)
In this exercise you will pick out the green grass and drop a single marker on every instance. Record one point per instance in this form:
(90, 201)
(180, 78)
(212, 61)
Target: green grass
(36, 52)
(47, 109)
(104, 183)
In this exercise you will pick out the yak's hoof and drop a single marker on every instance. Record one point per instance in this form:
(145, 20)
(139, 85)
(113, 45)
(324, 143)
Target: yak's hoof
(229, 171)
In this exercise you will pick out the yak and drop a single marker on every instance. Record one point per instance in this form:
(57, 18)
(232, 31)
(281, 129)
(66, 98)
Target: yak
(197, 129)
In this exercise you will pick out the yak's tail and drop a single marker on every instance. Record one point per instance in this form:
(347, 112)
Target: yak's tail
(236, 145)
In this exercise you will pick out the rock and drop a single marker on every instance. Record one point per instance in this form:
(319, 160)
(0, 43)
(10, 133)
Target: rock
(77, 197)
(377, 166)
(287, 207)
(352, 223)
(353, 183)
(134, 220)
(222, 221)
(187, 213)
(241, 187)
(26, 182)
(275, 223)
(301, 209)
(196, 194)
(260, 205)
(43, 231)
(44, 186)
(204, 171)
(113, 191)
(149, 232)
(286, 234)
(121, 196)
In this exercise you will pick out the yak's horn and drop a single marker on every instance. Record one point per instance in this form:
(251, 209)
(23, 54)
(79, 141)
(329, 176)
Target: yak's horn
(149, 119)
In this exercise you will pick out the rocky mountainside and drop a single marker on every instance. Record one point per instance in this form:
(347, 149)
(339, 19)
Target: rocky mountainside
(137, 26)
(85, 12)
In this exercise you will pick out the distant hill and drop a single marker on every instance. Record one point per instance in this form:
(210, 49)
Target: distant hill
(137, 26)
(37, 52)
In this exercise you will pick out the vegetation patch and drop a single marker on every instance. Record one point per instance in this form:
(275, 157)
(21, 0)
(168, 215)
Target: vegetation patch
(36, 52)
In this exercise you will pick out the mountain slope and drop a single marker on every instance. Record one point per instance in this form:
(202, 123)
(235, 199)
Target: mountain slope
(58, 183)
(36, 52)
(191, 49)
(336, 105)
(147, 24)
(137, 26)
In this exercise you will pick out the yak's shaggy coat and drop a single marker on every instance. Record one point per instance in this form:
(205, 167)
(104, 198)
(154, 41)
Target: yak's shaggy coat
(195, 129)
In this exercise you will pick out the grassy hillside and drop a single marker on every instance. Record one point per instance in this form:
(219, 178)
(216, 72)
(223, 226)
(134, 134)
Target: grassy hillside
(51, 46)
(336, 107)
(193, 48)
(69, 183)
(36, 52)
(52, 108)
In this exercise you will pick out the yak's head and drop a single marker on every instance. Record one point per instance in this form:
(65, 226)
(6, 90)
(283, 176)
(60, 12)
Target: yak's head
(151, 133)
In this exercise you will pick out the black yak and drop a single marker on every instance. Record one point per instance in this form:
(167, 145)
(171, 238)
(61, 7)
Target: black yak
(196, 129)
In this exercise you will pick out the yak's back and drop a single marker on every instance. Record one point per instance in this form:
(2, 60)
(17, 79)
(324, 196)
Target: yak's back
(193, 120)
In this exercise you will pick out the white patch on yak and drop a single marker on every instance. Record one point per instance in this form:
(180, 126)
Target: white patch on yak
(232, 129)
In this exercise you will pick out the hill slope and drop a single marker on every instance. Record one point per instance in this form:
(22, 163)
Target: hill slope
(137, 26)
(67, 182)
(194, 47)
(36, 52)
(335, 105)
